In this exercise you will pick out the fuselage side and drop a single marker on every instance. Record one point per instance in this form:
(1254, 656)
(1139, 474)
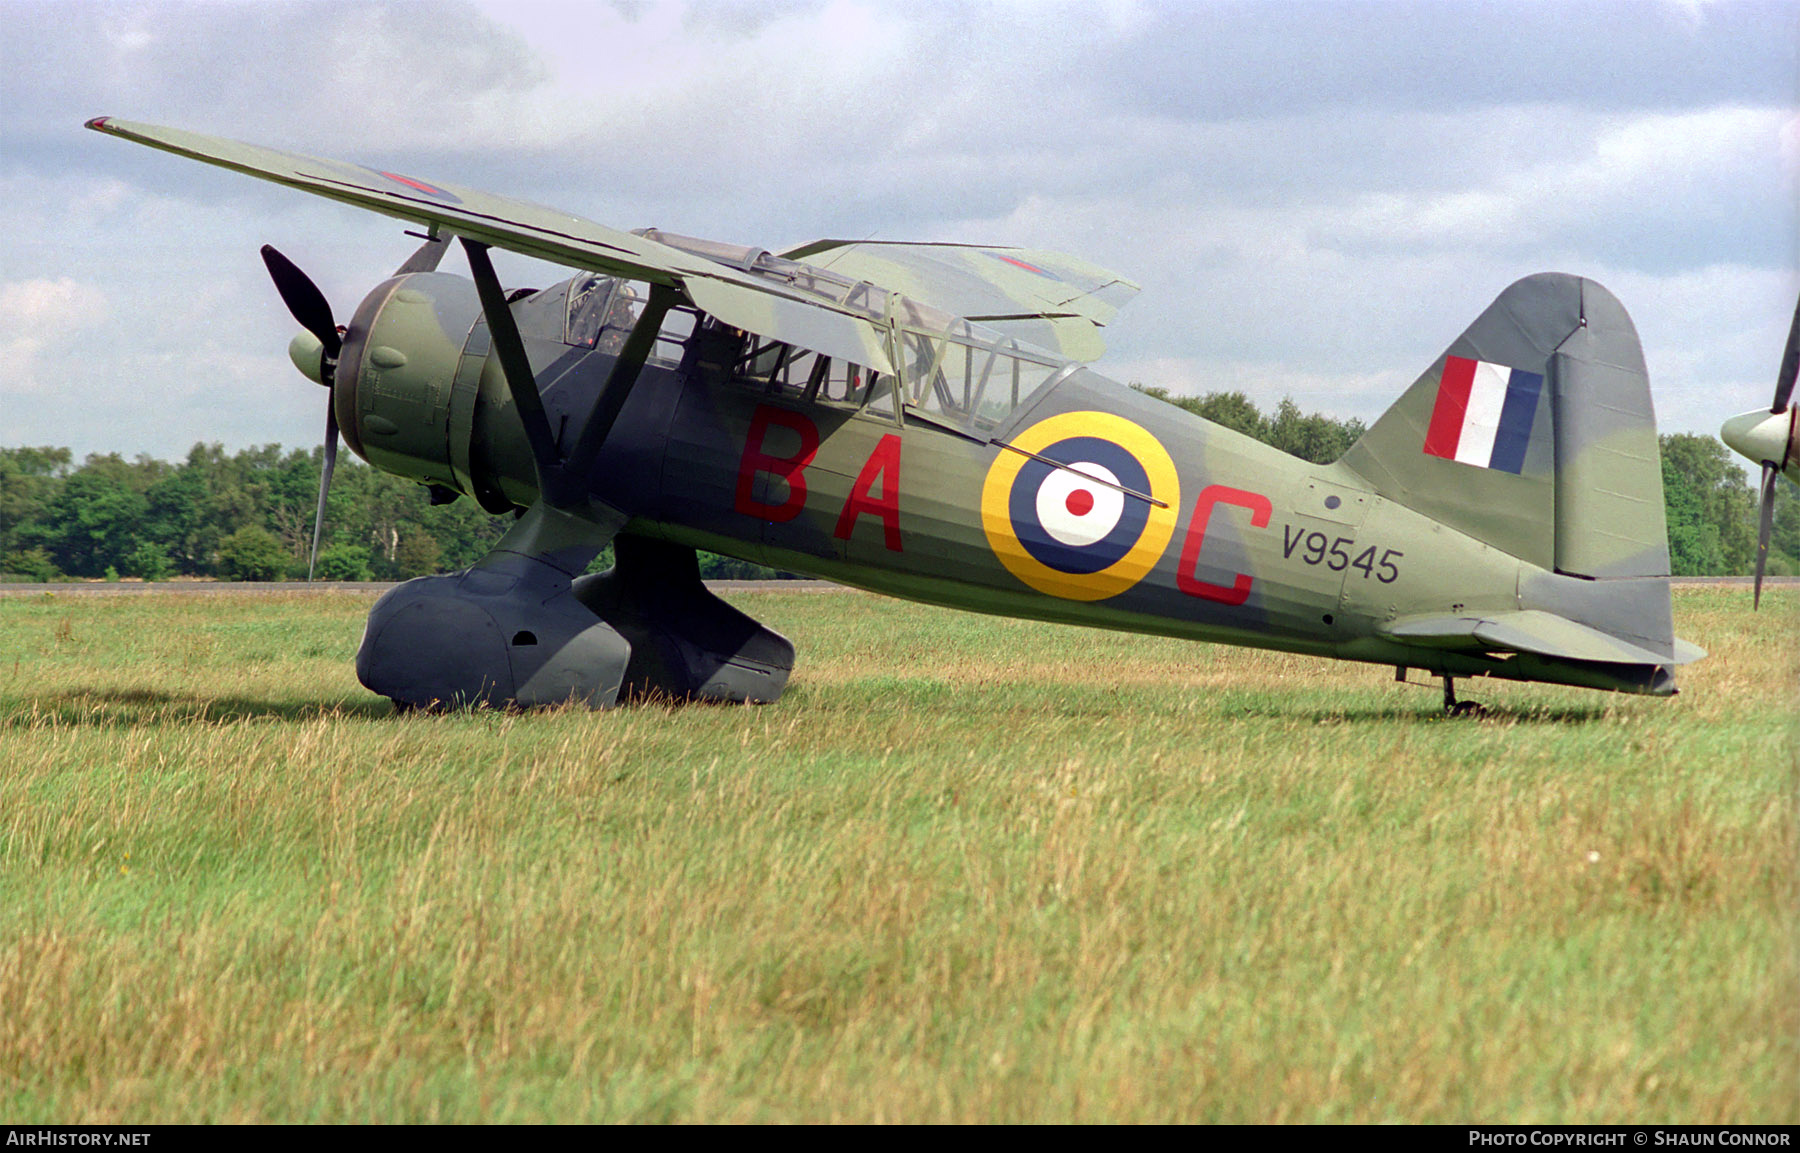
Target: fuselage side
(1157, 521)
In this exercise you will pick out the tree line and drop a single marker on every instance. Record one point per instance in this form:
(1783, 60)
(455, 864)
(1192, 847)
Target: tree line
(248, 515)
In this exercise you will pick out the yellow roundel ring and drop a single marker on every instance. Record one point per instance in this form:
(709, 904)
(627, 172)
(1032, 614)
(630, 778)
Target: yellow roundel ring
(1065, 513)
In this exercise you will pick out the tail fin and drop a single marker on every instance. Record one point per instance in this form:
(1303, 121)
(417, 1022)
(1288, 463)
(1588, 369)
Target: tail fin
(1534, 433)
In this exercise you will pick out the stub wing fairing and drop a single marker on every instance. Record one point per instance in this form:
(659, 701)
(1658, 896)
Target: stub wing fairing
(1050, 299)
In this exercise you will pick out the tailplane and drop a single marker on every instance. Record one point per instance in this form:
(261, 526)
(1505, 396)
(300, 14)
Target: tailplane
(1534, 434)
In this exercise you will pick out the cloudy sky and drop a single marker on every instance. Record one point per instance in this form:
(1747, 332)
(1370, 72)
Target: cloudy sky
(1316, 198)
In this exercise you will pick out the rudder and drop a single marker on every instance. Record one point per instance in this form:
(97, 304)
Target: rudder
(1610, 520)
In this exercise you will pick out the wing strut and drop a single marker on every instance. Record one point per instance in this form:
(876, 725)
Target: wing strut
(563, 481)
(619, 382)
(554, 482)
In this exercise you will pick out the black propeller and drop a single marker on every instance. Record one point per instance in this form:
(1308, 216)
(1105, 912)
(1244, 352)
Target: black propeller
(1790, 365)
(306, 302)
(1771, 470)
(313, 311)
(309, 306)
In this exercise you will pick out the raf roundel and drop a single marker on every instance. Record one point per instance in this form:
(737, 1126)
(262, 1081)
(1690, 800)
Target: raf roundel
(1081, 506)
(430, 190)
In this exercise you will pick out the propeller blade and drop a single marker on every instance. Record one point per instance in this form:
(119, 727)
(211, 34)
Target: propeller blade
(304, 300)
(331, 443)
(426, 257)
(1765, 524)
(1790, 366)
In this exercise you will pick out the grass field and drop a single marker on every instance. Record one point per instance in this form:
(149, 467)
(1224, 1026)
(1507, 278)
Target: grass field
(966, 870)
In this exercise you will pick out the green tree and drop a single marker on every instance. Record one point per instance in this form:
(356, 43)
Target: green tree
(1702, 469)
(1232, 410)
(94, 521)
(252, 554)
(32, 564)
(1314, 436)
(29, 480)
(148, 561)
(375, 509)
(344, 562)
(418, 553)
(1784, 541)
(180, 519)
(1235, 411)
(714, 567)
(464, 531)
(287, 490)
(1693, 540)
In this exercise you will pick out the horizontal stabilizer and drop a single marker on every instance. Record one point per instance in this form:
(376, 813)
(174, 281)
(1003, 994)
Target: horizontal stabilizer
(1050, 299)
(1532, 631)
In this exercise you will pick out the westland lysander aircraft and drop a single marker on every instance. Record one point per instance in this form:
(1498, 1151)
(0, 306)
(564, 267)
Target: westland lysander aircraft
(918, 420)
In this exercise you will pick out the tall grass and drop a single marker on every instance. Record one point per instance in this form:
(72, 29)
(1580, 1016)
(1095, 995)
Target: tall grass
(967, 869)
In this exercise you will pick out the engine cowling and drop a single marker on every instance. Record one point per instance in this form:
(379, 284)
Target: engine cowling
(420, 391)
(397, 370)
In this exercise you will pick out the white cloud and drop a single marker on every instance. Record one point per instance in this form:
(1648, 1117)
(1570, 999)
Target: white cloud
(49, 308)
(1307, 217)
(1712, 337)
(1693, 167)
(37, 319)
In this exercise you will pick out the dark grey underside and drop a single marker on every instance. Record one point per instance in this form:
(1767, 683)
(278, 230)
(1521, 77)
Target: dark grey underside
(517, 631)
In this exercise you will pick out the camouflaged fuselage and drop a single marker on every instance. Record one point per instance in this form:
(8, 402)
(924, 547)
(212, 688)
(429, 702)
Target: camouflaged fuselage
(1240, 543)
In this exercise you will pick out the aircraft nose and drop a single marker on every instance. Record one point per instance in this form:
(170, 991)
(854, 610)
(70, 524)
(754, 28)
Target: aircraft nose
(1761, 435)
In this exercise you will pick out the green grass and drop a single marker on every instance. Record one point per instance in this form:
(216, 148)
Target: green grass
(966, 870)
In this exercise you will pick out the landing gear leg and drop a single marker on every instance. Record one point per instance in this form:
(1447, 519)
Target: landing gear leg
(1456, 708)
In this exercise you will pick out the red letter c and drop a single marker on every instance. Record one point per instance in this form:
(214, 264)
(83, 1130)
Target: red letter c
(1185, 573)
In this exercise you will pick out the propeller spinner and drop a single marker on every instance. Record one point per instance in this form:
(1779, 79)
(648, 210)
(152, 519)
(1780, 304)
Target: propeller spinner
(1772, 438)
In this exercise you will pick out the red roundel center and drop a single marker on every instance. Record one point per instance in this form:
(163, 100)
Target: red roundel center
(1080, 502)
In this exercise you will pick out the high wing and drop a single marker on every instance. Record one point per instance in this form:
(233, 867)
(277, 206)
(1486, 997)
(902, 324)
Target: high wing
(1055, 301)
(814, 316)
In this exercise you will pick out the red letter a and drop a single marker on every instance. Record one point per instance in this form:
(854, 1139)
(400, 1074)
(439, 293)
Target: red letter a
(883, 462)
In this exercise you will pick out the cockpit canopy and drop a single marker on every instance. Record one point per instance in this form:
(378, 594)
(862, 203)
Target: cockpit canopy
(953, 372)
